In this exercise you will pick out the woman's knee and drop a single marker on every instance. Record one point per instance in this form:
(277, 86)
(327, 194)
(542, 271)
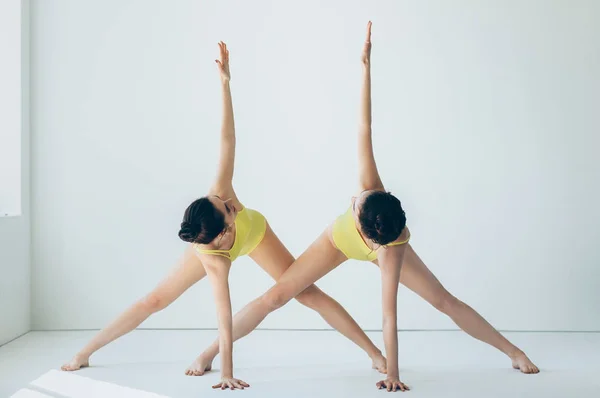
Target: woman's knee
(154, 302)
(446, 302)
(276, 298)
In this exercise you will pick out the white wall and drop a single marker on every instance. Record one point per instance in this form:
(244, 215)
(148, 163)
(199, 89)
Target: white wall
(486, 126)
(10, 106)
(15, 235)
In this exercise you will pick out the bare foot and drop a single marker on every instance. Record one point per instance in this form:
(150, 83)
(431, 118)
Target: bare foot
(199, 367)
(524, 364)
(380, 363)
(78, 362)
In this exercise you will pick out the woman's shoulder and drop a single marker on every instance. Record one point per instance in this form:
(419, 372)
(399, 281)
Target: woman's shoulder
(203, 247)
(226, 192)
(403, 238)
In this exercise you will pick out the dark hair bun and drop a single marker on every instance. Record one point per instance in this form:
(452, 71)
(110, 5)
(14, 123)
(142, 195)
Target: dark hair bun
(382, 218)
(202, 222)
(187, 232)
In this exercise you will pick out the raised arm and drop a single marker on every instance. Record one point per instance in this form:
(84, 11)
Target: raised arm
(223, 182)
(390, 262)
(368, 174)
(217, 269)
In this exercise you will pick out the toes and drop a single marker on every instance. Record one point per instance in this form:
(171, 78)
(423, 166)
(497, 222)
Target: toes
(530, 370)
(197, 370)
(534, 369)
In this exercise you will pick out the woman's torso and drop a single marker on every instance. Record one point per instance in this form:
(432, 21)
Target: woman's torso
(246, 233)
(345, 236)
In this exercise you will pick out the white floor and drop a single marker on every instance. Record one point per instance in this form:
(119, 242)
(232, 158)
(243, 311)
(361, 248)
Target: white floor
(302, 364)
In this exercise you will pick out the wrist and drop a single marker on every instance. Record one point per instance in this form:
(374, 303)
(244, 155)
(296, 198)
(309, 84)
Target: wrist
(225, 82)
(393, 375)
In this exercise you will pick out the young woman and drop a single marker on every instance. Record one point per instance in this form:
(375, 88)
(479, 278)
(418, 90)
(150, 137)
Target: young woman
(372, 229)
(220, 229)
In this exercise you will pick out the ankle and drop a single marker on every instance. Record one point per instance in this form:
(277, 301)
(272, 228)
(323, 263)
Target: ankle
(209, 355)
(83, 355)
(514, 353)
(375, 354)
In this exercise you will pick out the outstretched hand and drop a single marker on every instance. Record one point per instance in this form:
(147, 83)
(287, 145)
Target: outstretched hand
(366, 53)
(223, 62)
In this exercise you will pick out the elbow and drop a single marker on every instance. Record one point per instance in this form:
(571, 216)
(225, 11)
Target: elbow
(365, 129)
(225, 337)
(390, 320)
(228, 138)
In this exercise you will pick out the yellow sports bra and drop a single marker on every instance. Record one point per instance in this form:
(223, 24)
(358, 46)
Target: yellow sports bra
(349, 241)
(250, 227)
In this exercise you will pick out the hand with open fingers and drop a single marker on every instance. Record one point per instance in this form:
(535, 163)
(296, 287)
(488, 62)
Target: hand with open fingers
(392, 384)
(223, 62)
(366, 53)
(231, 383)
